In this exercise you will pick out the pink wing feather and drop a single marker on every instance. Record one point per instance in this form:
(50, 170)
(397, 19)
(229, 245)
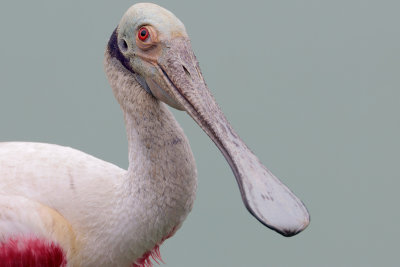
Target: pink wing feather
(31, 252)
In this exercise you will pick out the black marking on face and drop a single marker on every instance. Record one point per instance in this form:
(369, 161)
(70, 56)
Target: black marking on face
(115, 52)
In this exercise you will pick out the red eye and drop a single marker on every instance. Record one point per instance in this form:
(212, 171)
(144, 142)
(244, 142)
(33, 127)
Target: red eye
(143, 33)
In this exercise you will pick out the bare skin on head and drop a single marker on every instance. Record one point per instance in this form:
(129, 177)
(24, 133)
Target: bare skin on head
(165, 61)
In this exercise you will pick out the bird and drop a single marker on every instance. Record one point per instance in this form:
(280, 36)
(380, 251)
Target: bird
(62, 207)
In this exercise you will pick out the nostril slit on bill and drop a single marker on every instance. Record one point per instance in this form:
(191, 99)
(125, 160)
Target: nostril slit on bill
(187, 72)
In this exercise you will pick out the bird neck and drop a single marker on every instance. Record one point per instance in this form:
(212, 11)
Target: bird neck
(158, 148)
(161, 180)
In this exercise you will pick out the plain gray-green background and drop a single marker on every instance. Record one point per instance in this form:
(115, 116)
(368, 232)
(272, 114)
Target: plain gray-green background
(313, 87)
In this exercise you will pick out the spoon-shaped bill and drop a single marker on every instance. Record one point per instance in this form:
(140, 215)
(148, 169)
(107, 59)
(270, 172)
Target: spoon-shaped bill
(268, 199)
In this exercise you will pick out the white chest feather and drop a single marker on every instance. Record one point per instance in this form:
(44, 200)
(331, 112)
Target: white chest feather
(115, 215)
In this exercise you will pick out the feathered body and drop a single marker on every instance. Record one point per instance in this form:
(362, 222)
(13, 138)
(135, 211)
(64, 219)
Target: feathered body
(114, 216)
(110, 216)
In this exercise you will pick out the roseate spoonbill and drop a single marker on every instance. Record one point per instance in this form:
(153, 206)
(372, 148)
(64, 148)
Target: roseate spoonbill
(62, 207)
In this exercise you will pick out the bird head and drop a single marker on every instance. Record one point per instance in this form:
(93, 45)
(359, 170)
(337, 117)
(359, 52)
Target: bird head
(147, 37)
(152, 44)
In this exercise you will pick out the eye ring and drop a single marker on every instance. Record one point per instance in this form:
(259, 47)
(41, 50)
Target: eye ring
(143, 34)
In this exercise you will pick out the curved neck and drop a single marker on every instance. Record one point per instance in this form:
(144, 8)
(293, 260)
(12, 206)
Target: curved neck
(155, 138)
(159, 189)
(155, 143)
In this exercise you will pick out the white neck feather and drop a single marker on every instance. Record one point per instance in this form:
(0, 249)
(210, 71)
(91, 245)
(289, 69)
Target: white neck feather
(161, 181)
